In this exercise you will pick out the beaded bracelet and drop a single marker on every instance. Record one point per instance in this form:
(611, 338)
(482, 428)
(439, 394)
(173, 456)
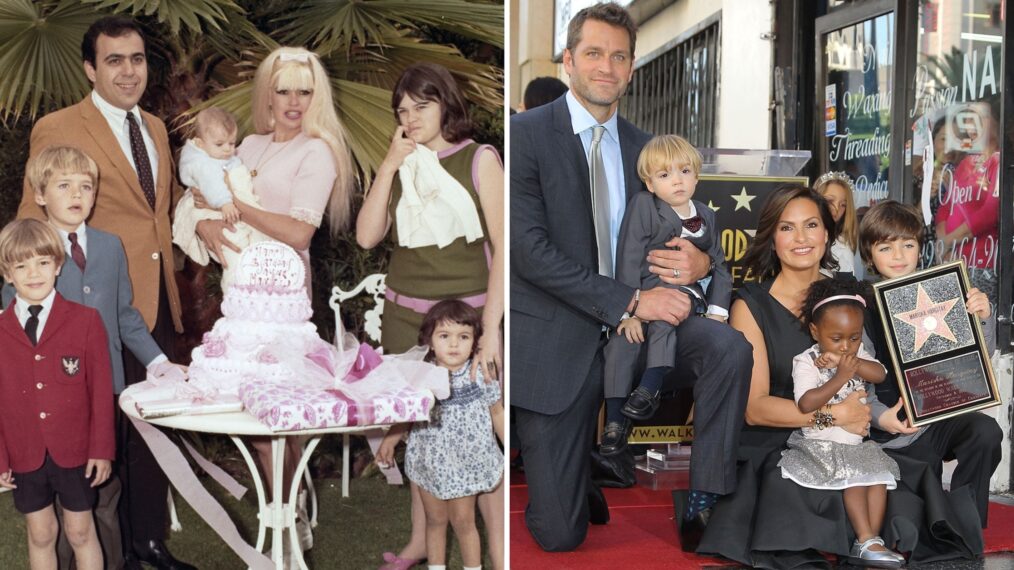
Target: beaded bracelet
(823, 419)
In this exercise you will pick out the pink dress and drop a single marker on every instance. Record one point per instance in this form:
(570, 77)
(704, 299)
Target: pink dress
(970, 200)
(294, 178)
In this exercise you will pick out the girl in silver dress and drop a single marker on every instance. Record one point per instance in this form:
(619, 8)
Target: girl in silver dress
(823, 456)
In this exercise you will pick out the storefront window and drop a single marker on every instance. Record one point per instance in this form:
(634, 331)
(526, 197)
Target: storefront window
(953, 149)
(858, 71)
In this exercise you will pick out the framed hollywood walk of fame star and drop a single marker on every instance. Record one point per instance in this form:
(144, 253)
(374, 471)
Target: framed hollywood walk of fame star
(937, 348)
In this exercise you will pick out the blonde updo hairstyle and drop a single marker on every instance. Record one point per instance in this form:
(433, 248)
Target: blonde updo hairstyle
(301, 69)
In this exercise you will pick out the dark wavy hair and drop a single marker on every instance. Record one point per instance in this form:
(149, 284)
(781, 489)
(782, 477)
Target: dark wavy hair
(825, 288)
(112, 26)
(452, 311)
(887, 221)
(760, 258)
(431, 82)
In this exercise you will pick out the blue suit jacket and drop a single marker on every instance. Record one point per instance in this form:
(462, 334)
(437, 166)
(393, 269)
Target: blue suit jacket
(105, 286)
(559, 302)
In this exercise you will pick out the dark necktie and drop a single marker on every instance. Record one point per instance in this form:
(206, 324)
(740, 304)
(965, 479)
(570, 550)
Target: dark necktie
(32, 324)
(76, 253)
(141, 162)
(693, 224)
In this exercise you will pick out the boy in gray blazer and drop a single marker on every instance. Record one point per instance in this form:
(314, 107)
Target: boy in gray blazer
(669, 166)
(64, 181)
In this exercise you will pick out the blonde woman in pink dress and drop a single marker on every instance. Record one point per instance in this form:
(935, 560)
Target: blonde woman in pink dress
(302, 170)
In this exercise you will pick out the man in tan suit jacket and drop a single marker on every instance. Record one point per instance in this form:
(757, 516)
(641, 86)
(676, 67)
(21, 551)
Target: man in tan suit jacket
(136, 191)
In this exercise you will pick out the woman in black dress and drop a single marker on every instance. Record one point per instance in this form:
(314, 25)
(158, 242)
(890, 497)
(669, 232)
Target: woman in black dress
(770, 522)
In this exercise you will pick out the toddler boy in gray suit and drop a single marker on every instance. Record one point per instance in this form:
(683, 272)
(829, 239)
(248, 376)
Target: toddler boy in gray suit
(669, 167)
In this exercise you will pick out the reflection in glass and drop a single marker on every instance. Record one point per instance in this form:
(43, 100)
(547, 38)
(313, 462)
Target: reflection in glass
(859, 64)
(954, 149)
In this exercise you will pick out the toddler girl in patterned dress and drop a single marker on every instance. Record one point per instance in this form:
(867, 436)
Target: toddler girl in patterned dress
(454, 456)
(825, 456)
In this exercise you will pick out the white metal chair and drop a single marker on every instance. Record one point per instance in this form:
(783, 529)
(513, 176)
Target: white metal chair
(373, 285)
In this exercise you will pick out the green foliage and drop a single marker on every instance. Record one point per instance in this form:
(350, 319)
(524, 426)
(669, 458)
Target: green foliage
(40, 55)
(14, 142)
(175, 13)
(205, 50)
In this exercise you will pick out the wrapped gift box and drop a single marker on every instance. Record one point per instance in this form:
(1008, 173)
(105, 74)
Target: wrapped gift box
(293, 407)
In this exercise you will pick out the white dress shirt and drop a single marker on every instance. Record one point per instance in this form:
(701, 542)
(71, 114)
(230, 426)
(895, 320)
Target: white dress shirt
(21, 311)
(82, 240)
(117, 119)
(612, 160)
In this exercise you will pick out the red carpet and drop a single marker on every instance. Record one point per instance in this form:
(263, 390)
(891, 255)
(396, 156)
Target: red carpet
(641, 534)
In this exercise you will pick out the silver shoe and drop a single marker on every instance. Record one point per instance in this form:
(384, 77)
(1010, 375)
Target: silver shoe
(861, 555)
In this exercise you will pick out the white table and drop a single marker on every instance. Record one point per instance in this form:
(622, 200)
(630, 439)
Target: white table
(280, 515)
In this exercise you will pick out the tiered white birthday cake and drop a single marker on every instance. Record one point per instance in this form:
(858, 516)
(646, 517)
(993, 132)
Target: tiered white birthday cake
(266, 351)
(265, 332)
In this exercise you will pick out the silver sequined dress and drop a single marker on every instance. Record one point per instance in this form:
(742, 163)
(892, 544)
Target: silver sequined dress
(832, 458)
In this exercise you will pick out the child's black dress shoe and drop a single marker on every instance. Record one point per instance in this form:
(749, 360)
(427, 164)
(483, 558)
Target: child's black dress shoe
(641, 405)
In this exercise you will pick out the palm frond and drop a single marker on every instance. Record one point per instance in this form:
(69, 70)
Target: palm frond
(175, 13)
(40, 55)
(481, 84)
(335, 25)
(369, 122)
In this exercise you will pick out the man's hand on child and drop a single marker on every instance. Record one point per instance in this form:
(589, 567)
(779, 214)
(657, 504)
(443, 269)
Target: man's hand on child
(978, 304)
(632, 329)
(102, 468)
(682, 264)
(663, 304)
(230, 212)
(7, 480)
(890, 423)
(827, 360)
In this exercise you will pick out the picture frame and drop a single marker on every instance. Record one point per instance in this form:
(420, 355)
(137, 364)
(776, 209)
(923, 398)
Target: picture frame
(937, 349)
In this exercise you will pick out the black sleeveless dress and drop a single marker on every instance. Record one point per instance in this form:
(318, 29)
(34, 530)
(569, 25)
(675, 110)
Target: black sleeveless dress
(770, 522)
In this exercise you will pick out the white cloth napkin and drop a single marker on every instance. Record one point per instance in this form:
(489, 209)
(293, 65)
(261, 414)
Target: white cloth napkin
(435, 209)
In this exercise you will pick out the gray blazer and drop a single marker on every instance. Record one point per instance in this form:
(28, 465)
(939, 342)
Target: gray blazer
(559, 302)
(105, 286)
(648, 224)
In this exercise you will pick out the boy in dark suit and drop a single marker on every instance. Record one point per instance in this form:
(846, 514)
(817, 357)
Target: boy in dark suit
(56, 399)
(669, 166)
(64, 181)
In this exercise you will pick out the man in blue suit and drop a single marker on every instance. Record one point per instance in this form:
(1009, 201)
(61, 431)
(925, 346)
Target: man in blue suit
(95, 274)
(564, 300)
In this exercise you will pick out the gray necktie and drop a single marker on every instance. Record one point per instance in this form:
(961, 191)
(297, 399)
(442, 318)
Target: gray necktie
(600, 202)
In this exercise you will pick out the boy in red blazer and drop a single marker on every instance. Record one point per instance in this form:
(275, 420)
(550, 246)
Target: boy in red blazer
(56, 400)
